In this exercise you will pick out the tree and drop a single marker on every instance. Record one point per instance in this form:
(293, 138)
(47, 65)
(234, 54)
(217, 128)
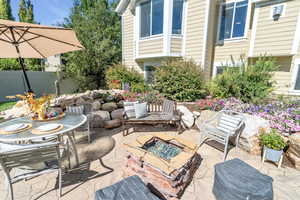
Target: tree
(98, 28)
(5, 10)
(26, 11)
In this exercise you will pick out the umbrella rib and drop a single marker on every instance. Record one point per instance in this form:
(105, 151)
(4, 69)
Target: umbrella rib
(21, 37)
(33, 47)
(11, 40)
(25, 40)
(55, 40)
(3, 31)
(6, 41)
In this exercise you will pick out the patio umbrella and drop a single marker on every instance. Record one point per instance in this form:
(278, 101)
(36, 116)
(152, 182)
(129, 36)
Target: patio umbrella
(24, 40)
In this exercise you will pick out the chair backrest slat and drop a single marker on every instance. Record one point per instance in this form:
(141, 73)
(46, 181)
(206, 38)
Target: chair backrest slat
(168, 107)
(228, 123)
(79, 110)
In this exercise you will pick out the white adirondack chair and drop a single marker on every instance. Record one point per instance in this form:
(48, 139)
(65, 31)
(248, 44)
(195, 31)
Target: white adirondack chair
(223, 127)
(24, 155)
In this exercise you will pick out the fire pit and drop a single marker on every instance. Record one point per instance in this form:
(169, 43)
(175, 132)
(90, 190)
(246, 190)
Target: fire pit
(168, 163)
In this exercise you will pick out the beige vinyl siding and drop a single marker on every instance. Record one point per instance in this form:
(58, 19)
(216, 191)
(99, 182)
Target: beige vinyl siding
(209, 49)
(150, 46)
(128, 44)
(232, 51)
(276, 37)
(283, 82)
(283, 76)
(195, 29)
(176, 45)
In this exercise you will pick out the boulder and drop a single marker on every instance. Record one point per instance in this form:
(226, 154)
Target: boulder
(187, 116)
(117, 114)
(96, 105)
(109, 106)
(97, 118)
(249, 138)
(112, 123)
(293, 153)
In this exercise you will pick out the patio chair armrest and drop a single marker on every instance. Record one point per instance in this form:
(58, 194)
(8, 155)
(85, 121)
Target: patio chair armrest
(196, 114)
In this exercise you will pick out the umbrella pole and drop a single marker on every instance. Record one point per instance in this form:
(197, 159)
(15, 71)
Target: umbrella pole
(21, 61)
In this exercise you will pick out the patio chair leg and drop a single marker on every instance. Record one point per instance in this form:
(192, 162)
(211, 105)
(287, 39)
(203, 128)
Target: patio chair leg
(280, 161)
(226, 149)
(105, 166)
(60, 182)
(10, 187)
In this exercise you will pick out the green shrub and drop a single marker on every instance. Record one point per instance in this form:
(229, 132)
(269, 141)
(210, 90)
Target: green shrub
(272, 140)
(251, 83)
(118, 74)
(180, 80)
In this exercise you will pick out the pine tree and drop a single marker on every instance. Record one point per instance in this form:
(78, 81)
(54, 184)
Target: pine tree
(26, 11)
(22, 11)
(98, 28)
(5, 10)
(30, 16)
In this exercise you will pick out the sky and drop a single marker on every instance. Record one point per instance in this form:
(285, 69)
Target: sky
(46, 12)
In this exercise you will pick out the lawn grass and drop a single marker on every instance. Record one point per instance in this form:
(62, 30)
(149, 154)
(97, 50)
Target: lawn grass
(6, 105)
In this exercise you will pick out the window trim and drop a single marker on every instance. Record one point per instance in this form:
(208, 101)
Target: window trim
(244, 37)
(296, 69)
(139, 19)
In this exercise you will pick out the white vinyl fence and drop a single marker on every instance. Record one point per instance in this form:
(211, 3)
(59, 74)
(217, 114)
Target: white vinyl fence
(13, 82)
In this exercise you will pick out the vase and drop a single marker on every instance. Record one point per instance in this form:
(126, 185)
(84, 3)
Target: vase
(272, 154)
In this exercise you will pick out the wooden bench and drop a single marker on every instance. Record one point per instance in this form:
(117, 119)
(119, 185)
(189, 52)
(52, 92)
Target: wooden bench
(165, 113)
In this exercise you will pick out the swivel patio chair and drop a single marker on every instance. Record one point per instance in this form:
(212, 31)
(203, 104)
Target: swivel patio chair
(225, 127)
(26, 155)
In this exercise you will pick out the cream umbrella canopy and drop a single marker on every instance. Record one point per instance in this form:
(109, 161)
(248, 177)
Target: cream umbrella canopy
(24, 40)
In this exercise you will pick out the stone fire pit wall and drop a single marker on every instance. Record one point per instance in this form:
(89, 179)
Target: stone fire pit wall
(169, 177)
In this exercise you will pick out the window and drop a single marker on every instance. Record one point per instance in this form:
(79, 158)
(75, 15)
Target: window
(149, 74)
(177, 16)
(151, 18)
(233, 20)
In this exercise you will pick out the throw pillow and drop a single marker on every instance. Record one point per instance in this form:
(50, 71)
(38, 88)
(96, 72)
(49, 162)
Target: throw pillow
(129, 109)
(140, 110)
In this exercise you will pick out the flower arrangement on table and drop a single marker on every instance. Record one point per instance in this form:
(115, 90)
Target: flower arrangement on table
(39, 107)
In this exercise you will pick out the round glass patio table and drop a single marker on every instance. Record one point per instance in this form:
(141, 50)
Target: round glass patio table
(69, 122)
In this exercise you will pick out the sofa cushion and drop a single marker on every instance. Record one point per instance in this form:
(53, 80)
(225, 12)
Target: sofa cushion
(129, 109)
(140, 110)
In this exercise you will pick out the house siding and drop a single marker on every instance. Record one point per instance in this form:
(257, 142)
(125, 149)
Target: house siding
(195, 23)
(176, 46)
(151, 46)
(128, 41)
(276, 37)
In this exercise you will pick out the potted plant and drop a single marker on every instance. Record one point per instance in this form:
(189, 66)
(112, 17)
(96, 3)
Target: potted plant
(273, 146)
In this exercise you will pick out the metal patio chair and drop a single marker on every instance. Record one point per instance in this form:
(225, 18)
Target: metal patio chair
(80, 110)
(26, 155)
(224, 127)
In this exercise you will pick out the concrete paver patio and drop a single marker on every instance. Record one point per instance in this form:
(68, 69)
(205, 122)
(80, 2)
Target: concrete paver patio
(81, 184)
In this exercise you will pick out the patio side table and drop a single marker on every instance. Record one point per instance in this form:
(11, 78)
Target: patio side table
(236, 180)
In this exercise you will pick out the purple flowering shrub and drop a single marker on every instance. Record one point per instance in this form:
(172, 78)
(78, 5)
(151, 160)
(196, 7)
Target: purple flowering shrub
(283, 115)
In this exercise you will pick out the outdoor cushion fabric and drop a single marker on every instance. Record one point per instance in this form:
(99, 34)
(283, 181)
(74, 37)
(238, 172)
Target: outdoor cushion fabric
(140, 110)
(131, 188)
(129, 109)
(236, 180)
